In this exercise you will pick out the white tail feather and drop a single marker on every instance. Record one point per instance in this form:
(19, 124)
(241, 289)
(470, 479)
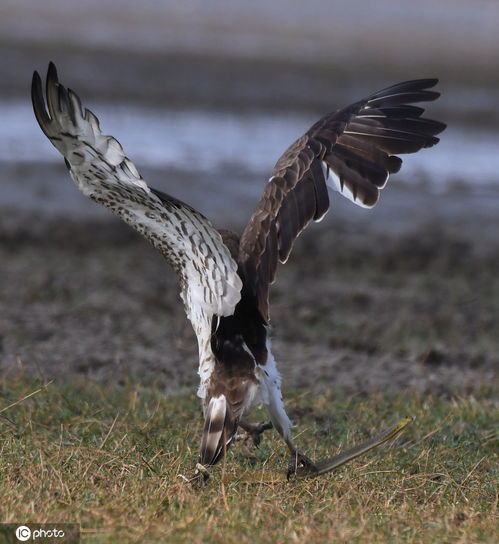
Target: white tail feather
(218, 432)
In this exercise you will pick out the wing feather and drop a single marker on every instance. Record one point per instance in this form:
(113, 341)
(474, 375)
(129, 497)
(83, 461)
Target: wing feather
(352, 150)
(210, 284)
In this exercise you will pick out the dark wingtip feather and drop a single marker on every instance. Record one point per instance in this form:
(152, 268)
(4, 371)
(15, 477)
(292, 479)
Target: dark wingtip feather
(39, 103)
(52, 73)
(52, 78)
(410, 85)
(75, 101)
(35, 80)
(51, 91)
(431, 142)
(406, 92)
(431, 82)
(437, 126)
(402, 97)
(426, 83)
(64, 103)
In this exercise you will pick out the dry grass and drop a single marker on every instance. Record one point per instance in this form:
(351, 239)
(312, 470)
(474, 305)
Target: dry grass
(111, 459)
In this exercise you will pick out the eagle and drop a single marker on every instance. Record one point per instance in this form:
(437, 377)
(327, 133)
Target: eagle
(225, 278)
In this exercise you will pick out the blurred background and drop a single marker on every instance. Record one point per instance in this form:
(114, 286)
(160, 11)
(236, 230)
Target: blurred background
(204, 97)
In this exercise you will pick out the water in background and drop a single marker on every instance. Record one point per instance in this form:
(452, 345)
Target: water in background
(118, 50)
(203, 143)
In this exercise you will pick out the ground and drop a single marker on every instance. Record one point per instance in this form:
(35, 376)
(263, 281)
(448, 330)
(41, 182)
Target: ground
(358, 307)
(110, 459)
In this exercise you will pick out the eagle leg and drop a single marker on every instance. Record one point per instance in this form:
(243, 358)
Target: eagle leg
(254, 431)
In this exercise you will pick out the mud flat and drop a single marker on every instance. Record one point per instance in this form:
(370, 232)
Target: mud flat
(404, 296)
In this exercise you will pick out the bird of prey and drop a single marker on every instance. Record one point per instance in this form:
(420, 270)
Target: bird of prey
(225, 278)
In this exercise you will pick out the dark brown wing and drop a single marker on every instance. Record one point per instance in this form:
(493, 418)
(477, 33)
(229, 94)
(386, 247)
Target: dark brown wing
(353, 150)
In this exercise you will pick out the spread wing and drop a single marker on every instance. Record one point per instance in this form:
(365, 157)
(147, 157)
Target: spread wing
(353, 151)
(208, 275)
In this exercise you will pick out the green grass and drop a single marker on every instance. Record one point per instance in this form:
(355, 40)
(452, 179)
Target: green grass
(110, 459)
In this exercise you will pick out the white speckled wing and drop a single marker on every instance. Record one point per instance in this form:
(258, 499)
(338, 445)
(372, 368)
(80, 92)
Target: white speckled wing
(208, 275)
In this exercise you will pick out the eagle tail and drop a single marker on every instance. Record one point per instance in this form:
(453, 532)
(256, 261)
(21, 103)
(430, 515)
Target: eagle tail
(219, 431)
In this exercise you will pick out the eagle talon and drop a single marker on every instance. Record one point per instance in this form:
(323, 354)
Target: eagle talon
(200, 477)
(301, 465)
(254, 432)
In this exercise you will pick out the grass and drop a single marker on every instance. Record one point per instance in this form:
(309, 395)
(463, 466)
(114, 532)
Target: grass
(110, 459)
